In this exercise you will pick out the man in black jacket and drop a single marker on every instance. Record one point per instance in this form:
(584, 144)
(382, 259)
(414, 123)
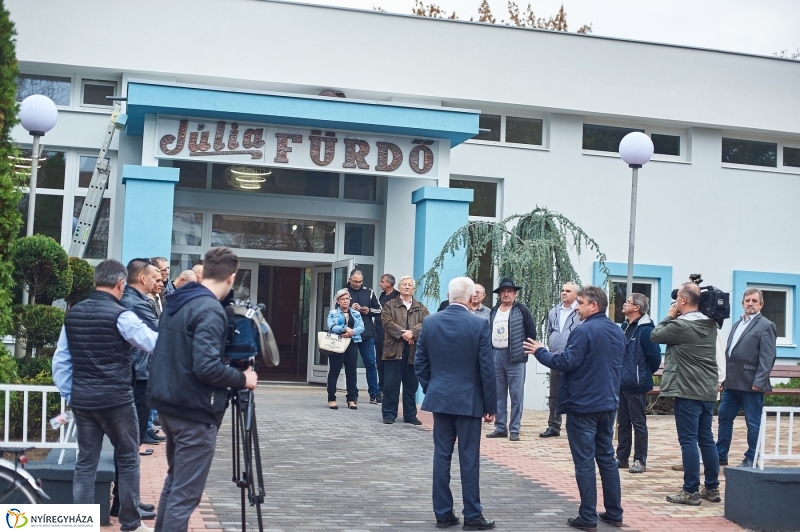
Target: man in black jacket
(388, 293)
(188, 382)
(363, 300)
(92, 370)
(511, 324)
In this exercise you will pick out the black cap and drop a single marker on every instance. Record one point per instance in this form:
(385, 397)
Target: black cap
(507, 282)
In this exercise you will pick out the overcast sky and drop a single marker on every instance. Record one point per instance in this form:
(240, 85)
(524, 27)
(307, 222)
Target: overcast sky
(751, 26)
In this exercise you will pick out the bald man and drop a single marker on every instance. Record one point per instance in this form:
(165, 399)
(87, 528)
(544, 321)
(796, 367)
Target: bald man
(198, 272)
(186, 276)
(690, 376)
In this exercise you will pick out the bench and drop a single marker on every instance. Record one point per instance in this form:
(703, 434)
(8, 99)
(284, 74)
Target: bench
(778, 372)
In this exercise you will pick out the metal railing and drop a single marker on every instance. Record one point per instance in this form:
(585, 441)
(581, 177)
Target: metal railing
(761, 454)
(65, 433)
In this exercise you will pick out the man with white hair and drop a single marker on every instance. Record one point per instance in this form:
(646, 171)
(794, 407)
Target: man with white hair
(455, 366)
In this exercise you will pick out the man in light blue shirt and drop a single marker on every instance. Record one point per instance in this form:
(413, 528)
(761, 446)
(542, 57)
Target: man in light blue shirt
(92, 370)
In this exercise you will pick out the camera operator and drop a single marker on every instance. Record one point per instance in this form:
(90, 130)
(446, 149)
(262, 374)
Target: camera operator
(690, 376)
(187, 385)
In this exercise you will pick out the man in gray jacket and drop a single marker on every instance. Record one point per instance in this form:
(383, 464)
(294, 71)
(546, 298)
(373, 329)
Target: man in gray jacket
(690, 376)
(750, 355)
(561, 321)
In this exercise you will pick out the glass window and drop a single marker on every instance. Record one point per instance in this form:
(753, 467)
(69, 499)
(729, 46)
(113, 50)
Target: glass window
(791, 157)
(51, 171)
(95, 92)
(750, 152)
(277, 234)
(360, 187)
(492, 123)
(485, 273)
(55, 88)
(620, 287)
(484, 202)
(86, 170)
(359, 239)
(776, 310)
(666, 144)
(192, 174)
(46, 216)
(275, 180)
(604, 138)
(187, 228)
(524, 130)
(368, 271)
(179, 262)
(97, 247)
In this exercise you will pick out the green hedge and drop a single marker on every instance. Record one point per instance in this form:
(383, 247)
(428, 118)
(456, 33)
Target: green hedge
(35, 372)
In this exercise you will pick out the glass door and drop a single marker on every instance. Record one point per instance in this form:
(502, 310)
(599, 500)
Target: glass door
(341, 273)
(245, 285)
(318, 321)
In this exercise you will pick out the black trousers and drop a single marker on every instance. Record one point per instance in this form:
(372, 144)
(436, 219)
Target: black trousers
(348, 359)
(142, 411)
(395, 373)
(631, 413)
(378, 354)
(554, 420)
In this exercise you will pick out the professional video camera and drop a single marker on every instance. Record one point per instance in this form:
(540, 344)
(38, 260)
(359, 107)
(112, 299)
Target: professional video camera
(714, 303)
(249, 335)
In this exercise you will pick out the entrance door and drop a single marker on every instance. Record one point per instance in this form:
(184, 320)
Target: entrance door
(246, 282)
(325, 281)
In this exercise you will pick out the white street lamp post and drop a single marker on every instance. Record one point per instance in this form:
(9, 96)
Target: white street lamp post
(635, 149)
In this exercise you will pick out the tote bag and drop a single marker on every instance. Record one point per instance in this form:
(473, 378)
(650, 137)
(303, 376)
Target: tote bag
(332, 342)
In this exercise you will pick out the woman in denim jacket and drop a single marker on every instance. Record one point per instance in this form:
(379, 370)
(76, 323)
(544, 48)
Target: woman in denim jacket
(348, 323)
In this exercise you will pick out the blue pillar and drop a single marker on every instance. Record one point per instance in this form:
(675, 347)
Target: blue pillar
(147, 221)
(440, 212)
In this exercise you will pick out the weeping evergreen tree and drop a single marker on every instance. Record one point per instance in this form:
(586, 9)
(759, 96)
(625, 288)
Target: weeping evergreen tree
(531, 248)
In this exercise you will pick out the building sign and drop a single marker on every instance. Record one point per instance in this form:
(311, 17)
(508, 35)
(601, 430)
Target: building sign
(222, 141)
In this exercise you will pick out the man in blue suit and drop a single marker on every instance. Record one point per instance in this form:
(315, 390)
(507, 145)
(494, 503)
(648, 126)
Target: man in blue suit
(455, 367)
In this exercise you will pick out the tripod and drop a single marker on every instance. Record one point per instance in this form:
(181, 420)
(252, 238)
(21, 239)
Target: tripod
(245, 445)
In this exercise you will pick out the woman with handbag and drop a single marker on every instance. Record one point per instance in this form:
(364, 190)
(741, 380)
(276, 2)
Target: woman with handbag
(347, 323)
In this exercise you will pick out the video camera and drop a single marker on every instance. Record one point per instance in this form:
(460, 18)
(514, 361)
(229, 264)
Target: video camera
(714, 303)
(249, 335)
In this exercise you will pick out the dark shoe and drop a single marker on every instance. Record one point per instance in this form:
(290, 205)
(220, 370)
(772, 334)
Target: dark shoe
(623, 464)
(152, 434)
(677, 467)
(157, 421)
(150, 441)
(723, 461)
(373, 400)
(550, 433)
(496, 434)
(709, 495)
(481, 523)
(514, 436)
(379, 398)
(388, 420)
(746, 463)
(682, 497)
(333, 406)
(114, 512)
(577, 522)
(352, 405)
(146, 516)
(147, 507)
(146, 452)
(451, 520)
(603, 516)
(413, 421)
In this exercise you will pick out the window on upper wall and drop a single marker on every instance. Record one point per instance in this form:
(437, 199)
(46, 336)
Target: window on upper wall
(262, 179)
(95, 92)
(607, 138)
(791, 157)
(511, 130)
(360, 187)
(778, 308)
(484, 203)
(359, 239)
(54, 87)
(749, 152)
(490, 124)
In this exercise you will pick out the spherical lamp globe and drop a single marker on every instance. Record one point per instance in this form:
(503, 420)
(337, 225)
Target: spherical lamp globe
(636, 149)
(38, 114)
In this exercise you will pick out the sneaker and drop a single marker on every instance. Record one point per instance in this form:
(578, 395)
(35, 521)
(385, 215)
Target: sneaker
(514, 436)
(373, 400)
(379, 398)
(692, 499)
(637, 467)
(388, 420)
(623, 464)
(746, 463)
(710, 495)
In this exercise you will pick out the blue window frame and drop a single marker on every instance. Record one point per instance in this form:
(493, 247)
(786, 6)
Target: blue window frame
(661, 274)
(763, 280)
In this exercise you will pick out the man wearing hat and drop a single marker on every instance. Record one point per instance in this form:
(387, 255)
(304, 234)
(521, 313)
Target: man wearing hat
(511, 324)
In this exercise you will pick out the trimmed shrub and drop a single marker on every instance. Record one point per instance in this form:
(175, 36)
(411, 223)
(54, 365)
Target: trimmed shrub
(82, 281)
(38, 325)
(42, 264)
(29, 369)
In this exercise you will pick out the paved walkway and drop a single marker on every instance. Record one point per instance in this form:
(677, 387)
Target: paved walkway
(346, 470)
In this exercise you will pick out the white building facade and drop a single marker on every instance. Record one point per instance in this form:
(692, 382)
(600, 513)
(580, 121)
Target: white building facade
(522, 118)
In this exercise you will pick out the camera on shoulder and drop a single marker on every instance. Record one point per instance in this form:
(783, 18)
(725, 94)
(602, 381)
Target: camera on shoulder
(714, 303)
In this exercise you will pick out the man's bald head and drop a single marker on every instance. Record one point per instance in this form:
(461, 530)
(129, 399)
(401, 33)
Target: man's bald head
(692, 294)
(198, 272)
(186, 276)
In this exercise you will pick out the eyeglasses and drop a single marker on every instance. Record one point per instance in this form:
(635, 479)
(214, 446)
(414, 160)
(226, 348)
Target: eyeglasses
(147, 262)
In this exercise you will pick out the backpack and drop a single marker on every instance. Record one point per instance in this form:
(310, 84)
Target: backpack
(250, 335)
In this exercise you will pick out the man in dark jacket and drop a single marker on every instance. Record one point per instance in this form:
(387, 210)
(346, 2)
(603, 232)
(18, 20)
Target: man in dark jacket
(642, 359)
(455, 368)
(588, 393)
(364, 301)
(92, 370)
(387, 294)
(188, 382)
(511, 324)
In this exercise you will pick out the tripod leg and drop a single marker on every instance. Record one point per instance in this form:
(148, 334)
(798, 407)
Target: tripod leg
(259, 474)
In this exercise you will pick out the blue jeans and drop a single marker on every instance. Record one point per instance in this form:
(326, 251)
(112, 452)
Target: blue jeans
(591, 440)
(367, 349)
(693, 422)
(510, 380)
(732, 402)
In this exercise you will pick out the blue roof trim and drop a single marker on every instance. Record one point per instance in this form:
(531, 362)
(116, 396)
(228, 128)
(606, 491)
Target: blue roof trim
(300, 111)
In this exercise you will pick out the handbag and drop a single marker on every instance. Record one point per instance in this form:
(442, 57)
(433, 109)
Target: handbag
(332, 342)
